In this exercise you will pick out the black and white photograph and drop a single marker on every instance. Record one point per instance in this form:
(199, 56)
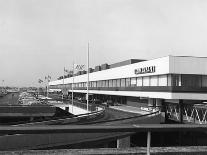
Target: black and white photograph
(103, 77)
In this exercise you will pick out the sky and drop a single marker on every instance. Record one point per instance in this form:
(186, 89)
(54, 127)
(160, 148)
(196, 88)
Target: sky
(41, 37)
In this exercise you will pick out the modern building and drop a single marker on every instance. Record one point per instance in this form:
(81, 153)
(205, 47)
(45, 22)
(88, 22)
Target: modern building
(171, 79)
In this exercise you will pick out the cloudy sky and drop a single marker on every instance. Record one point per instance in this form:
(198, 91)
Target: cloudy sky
(40, 37)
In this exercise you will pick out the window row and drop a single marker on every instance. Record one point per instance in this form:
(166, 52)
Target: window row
(157, 80)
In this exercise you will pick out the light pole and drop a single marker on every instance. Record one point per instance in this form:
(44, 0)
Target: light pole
(87, 76)
(39, 81)
(47, 78)
(65, 71)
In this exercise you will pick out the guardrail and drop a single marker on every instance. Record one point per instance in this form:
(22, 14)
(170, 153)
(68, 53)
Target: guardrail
(103, 129)
(66, 120)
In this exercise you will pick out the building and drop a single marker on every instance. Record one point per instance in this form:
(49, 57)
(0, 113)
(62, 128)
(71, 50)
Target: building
(172, 79)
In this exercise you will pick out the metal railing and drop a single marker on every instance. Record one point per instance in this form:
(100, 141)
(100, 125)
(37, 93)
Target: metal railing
(5, 130)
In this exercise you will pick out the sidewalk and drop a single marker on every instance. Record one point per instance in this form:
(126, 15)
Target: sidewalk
(130, 109)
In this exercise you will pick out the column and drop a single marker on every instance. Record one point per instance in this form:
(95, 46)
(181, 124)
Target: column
(181, 110)
(150, 103)
(123, 142)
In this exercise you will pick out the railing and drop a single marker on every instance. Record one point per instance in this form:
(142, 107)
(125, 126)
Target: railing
(66, 119)
(191, 113)
(103, 129)
(78, 104)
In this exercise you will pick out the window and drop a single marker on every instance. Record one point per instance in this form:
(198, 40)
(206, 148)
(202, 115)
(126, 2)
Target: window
(128, 82)
(146, 81)
(176, 80)
(123, 82)
(169, 80)
(139, 81)
(154, 81)
(133, 82)
(204, 81)
(107, 83)
(191, 81)
(95, 84)
(103, 83)
(114, 83)
(118, 83)
(162, 80)
(110, 83)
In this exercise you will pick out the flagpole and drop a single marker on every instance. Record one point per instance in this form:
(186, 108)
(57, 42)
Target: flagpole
(63, 82)
(72, 86)
(47, 86)
(87, 75)
(38, 90)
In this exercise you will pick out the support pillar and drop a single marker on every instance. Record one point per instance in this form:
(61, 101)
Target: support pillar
(150, 103)
(181, 110)
(31, 119)
(67, 109)
(163, 109)
(123, 142)
(148, 142)
(159, 103)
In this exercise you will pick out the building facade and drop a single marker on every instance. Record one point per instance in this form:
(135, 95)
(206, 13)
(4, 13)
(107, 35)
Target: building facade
(170, 78)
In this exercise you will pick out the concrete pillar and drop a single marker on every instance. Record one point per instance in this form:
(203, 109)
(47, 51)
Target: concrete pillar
(181, 110)
(123, 142)
(31, 119)
(158, 102)
(164, 111)
(150, 103)
(66, 108)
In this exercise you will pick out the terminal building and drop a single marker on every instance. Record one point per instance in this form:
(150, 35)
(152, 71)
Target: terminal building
(143, 83)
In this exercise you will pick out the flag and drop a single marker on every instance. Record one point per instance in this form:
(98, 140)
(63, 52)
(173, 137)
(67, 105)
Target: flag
(79, 67)
(70, 72)
(66, 70)
(48, 78)
(40, 81)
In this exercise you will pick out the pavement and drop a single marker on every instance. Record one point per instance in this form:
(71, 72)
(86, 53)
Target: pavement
(130, 109)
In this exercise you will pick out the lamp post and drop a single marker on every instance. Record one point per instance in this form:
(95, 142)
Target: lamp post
(39, 81)
(47, 78)
(87, 76)
(65, 71)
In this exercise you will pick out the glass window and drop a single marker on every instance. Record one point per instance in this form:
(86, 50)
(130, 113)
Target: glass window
(94, 84)
(139, 81)
(118, 83)
(123, 82)
(169, 80)
(128, 82)
(162, 80)
(133, 82)
(114, 83)
(110, 83)
(107, 83)
(103, 83)
(154, 81)
(204, 80)
(98, 83)
(191, 80)
(176, 80)
(146, 81)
